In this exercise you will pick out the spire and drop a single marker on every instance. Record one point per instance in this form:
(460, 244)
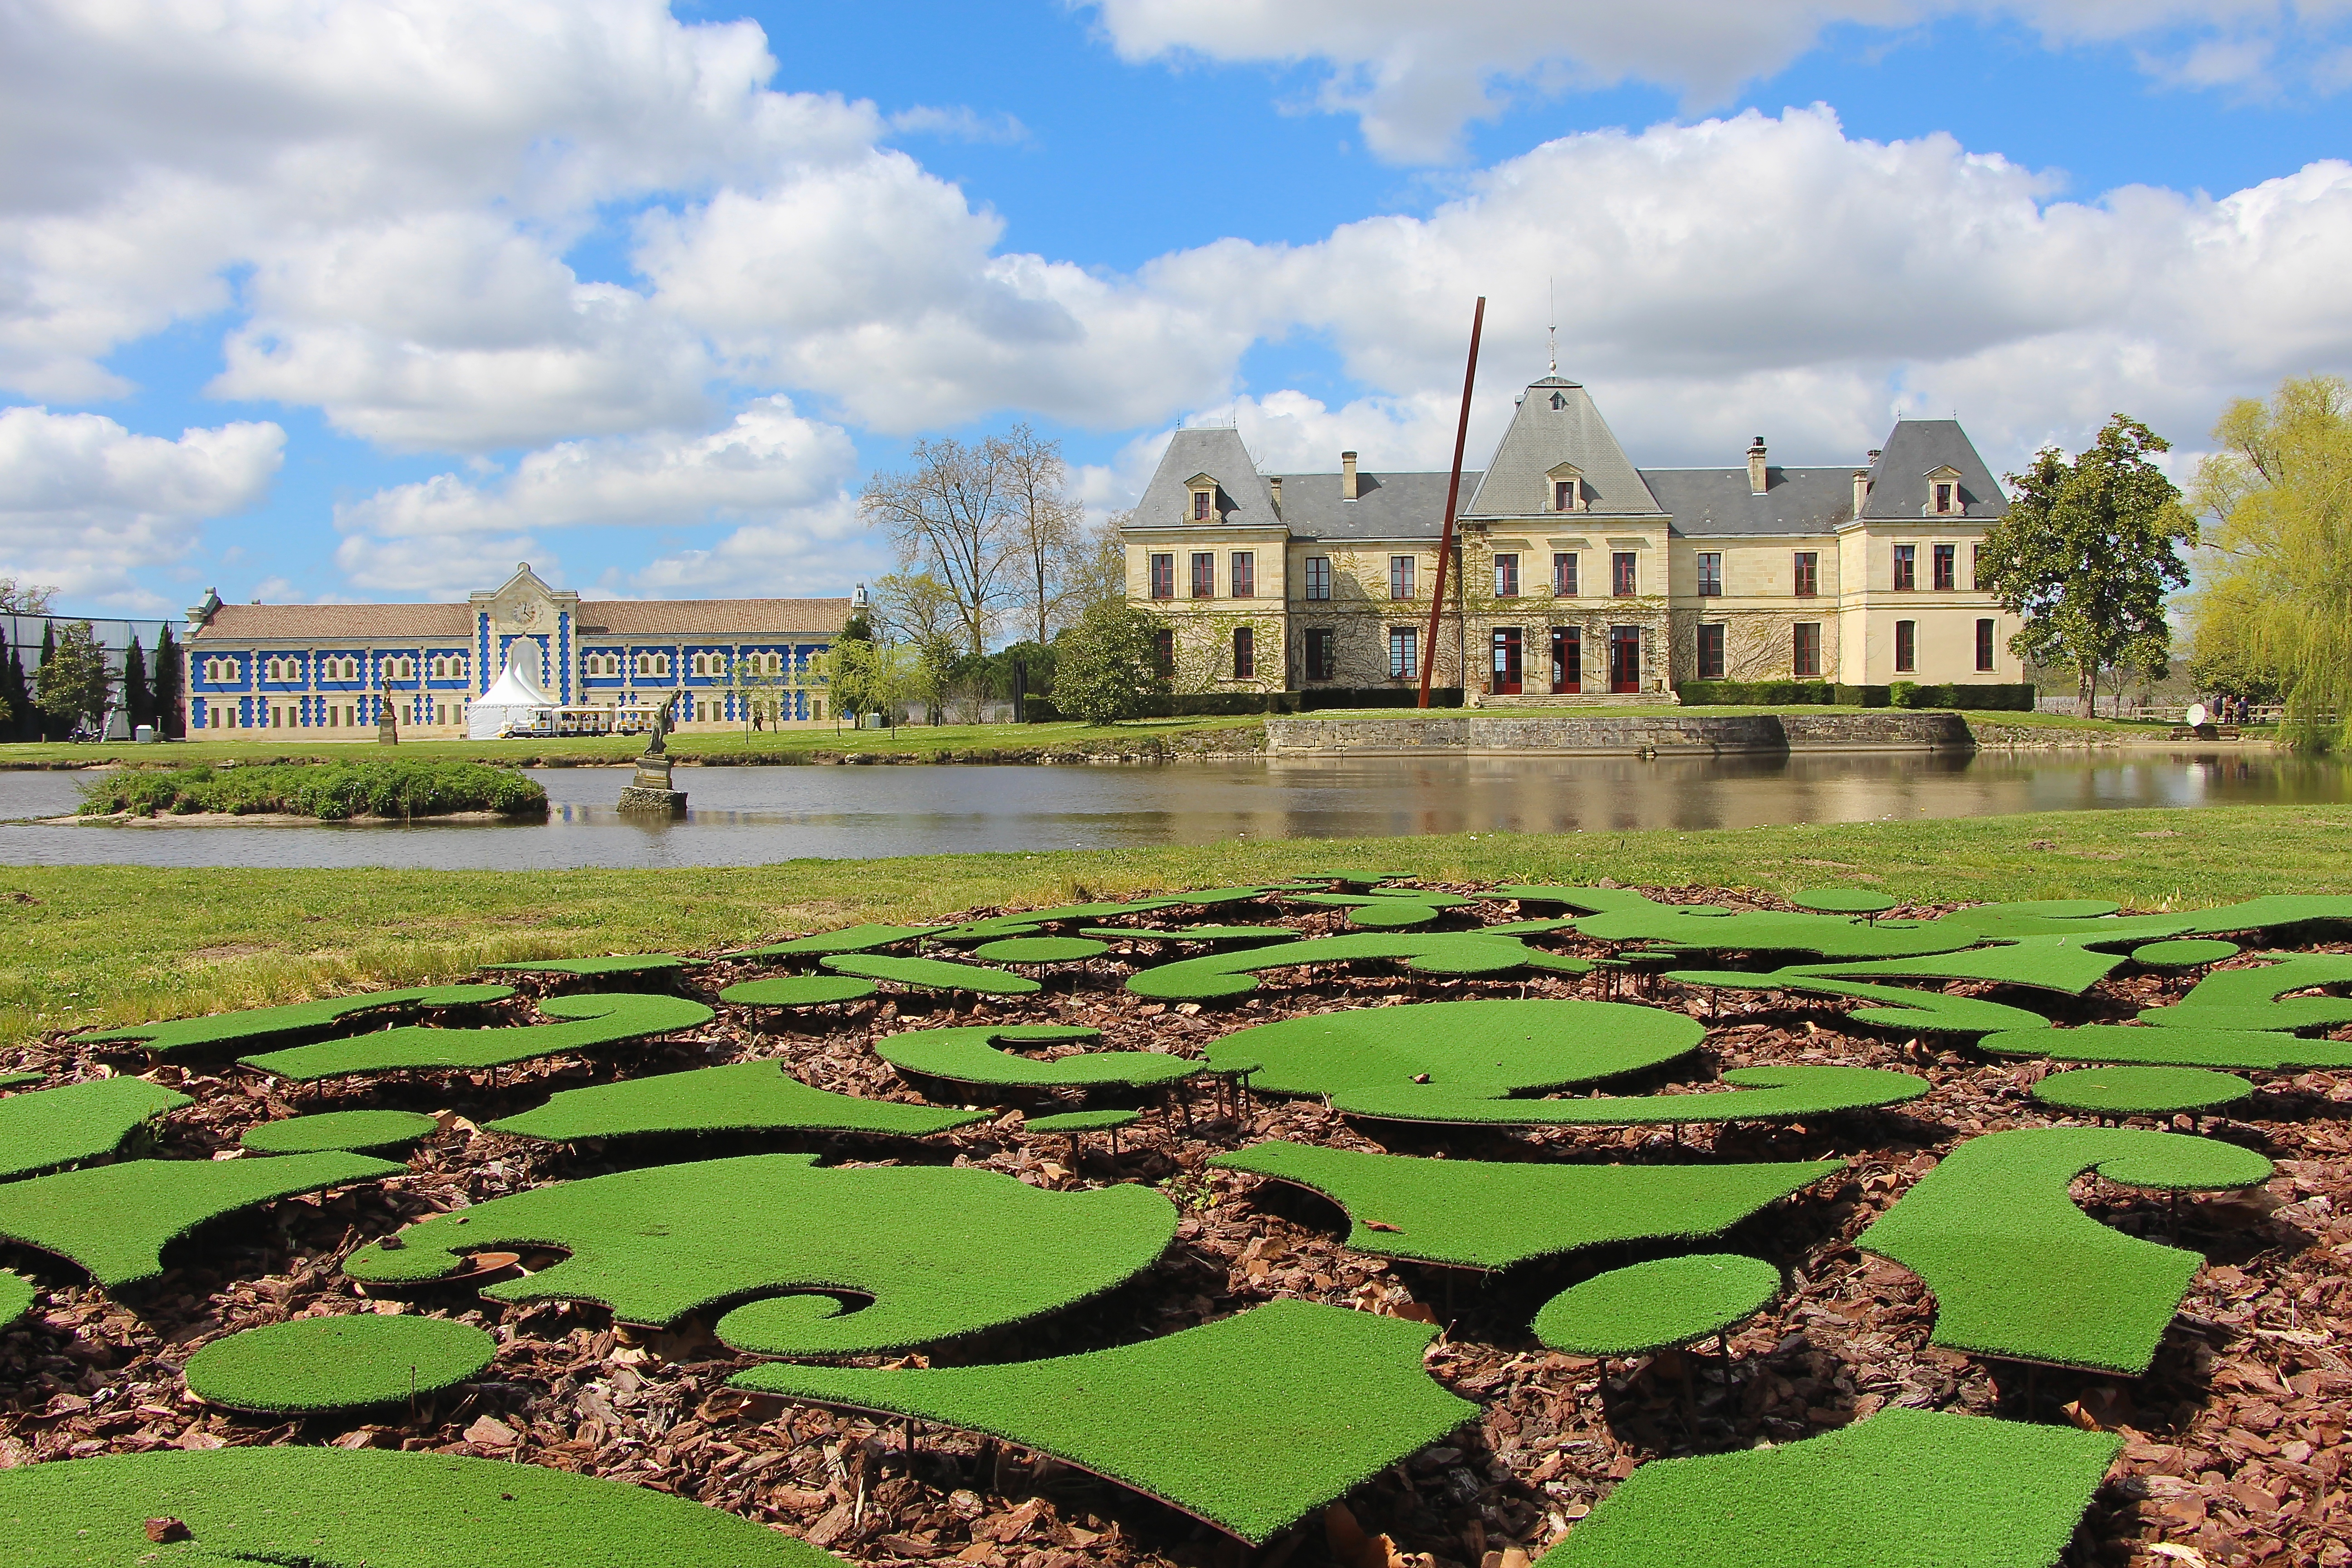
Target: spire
(1554, 293)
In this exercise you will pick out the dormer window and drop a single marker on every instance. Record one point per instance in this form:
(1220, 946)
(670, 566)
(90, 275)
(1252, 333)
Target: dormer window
(1204, 504)
(1944, 499)
(1568, 492)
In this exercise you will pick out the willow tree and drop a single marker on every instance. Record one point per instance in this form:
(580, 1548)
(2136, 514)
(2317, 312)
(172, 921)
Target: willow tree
(2088, 552)
(2279, 578)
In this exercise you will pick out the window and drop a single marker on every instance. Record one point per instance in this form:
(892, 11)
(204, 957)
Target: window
(1946, 568)
(1563, 495)
(1322, 659)
(1710, 652)
(1245, 653)
(1318, 576)
(1907, 568)
(1807, 661)
(1401, 577)
(1710, 576)
(1163, 576)
(1404, 654)
(1563, 575)
(652, 666)
(1623, 581)
(1944, 497)
(1245, 574)
(1807, 578)
(1984, 645)
(1164, 652)
(1204, 574)
(1507, 575)
(1201, 501)
(1907, 646)
(1976, 568)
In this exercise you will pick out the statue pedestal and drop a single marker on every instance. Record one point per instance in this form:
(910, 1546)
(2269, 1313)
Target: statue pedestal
(650, 790)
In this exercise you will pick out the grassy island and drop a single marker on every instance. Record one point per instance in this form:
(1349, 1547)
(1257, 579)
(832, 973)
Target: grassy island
(388, 787)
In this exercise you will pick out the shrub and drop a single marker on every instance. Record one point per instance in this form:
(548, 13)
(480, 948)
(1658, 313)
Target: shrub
(331, 792)
(1106, 667)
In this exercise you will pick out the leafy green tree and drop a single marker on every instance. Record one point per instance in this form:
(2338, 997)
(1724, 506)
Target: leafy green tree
(1108, 666)
(15, 697)
(167, 684)
(74, 681)
(2088, 552)
(2279, 578)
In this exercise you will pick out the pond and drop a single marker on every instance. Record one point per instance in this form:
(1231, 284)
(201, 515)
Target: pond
(742, 816)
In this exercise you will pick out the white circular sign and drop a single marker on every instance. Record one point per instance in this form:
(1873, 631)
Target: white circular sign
(2197, 715)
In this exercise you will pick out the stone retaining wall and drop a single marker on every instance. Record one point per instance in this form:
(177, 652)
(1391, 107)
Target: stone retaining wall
(1664, 733)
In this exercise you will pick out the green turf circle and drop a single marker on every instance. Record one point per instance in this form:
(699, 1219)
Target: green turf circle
(309, 1364)
(2184, 952)
(1212, 934)
(361, 1132)
(16, 1296)
(1040, 949)
(934, 974)
(1392, 914)
(1648, 1306)
(1083, 1122)
(591, 1019)
(334, 1508)
(743, 1097)
(798, 991)
(51, 1127)
(2237, 1050)
(1219, 975)
(1754, 1094)
(2141, 1091)
(972, 1055)
(19, 1079)
(256, 1026)
(1842, 901)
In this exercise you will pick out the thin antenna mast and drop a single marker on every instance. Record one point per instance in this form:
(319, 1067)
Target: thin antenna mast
(1552, 290)
(1453, 493)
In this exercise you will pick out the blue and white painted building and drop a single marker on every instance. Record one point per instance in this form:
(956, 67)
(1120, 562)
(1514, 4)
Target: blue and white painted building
(330, 669)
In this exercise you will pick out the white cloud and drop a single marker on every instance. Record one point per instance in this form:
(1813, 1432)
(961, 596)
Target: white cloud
(1415, 71)
(435, 536)
(83, 501)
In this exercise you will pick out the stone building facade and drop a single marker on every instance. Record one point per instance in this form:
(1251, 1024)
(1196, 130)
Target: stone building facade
(1579, 576)
(330, 670)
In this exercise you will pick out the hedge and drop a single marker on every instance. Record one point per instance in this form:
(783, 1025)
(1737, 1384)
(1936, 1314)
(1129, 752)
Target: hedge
(1975, 696)
(1211, 704)
(331, 792)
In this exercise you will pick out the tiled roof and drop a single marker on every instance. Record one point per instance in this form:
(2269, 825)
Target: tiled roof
(355, 623)
(711, 618)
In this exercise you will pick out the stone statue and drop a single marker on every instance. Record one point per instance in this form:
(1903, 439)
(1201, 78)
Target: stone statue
(650, 791)
(659, 744)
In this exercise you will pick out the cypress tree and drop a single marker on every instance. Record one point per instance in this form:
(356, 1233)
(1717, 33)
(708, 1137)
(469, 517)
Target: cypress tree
(16, 715)
(44, 721)
(166, 698)
(138, 703)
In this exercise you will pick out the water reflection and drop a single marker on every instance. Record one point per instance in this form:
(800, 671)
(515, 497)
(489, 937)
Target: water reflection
(754, 816)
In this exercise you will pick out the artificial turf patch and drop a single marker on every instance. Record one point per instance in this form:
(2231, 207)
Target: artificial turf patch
(256, 1024)
(2044, 963)
(596, 1019)
(849, 939)
(1391, 914)
(798, 991)
(943, 1251)
(1843, 901)
(969, 1055)
(309, 1364)
(1469, 1051)
(115, 1220)
(1438, 952)
(1698, 929)
(1649, 1306)
(623, 963)
(1892, 1007)
(1040, 949)
(1756, 1094)
(76, 1122)
(359, 1132)
(1526, 928)
(335, 1508)
(746, 1096)
(935, 974)
(1906, 1488)
(2240, 1050)
(2018, 1271)
(19, 1079)
(1248, 1422)
(1211, 935)
(2184, 952)
(1491, 1215)
(16, 1296)
(1083, 1122)
(2255, 998)
(2141, 1091)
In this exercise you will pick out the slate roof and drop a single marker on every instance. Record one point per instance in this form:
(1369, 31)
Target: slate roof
(1387, 506)
(1243, 499)
(1556, 422)
(353, 623)
(1719, 502)
(1915, 448)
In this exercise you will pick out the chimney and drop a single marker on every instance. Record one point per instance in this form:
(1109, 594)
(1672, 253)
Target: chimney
(1757, 480)
(1273, 488)
(1860, 490)
(1347, 476)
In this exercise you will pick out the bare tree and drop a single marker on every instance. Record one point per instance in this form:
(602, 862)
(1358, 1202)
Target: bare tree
(1096, 573)
(915, 609)
(1046, 528)
(21, 598)
(950, 517)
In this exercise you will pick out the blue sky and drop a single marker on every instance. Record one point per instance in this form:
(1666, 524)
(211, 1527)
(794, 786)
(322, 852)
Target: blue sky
(369, 300)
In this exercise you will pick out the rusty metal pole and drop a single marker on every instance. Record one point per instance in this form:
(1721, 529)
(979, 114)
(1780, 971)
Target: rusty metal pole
(1453, 494)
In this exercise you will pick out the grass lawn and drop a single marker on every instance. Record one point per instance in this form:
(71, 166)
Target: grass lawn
(908, 740)
(83, 946)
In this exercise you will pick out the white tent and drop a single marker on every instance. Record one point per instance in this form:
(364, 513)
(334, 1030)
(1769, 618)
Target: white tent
(513, 699)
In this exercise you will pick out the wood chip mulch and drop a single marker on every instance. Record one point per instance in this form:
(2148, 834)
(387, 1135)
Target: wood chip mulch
(2234, 1442)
